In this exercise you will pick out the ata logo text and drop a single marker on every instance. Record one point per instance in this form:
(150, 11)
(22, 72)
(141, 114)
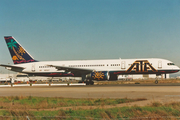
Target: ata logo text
(141, 66)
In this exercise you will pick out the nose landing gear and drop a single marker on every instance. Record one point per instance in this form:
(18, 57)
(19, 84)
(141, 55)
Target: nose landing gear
(156, 81)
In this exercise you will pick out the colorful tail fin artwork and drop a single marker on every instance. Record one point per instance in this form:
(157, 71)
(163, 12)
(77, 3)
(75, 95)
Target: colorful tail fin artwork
(18, 53)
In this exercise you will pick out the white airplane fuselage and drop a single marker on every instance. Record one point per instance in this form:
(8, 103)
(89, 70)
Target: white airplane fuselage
(112, 66)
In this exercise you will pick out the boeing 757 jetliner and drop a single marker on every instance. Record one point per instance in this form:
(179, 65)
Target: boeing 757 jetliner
(89, 70)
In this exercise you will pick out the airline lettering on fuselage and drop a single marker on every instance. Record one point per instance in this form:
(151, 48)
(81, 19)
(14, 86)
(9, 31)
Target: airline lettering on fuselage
(141, 66)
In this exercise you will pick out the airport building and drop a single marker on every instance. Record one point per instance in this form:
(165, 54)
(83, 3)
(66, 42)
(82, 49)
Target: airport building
(144, 76)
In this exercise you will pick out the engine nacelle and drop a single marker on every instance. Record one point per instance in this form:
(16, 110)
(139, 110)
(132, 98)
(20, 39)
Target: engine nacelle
(98, 75)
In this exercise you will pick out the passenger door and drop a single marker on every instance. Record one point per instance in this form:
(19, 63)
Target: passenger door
(123, 64)
(33, 67)
(159, 64)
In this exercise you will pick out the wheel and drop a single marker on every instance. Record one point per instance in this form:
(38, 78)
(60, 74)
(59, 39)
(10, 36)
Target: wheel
(87, 82)
(91, 83)
(156, 81)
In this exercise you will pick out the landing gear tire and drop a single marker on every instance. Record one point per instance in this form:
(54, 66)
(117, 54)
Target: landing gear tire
(89, 83)
(156, 81)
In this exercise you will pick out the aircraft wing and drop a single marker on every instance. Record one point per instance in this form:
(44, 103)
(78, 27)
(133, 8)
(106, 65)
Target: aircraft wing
(72, 69)
(12, 67)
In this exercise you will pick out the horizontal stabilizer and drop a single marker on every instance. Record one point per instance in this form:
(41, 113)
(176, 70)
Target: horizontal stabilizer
(12, 66)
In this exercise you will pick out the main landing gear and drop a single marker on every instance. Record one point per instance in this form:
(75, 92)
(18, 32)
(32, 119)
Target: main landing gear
(88, 82)
(85, 80)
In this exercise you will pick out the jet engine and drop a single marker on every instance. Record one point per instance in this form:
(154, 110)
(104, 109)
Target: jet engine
(98, 75)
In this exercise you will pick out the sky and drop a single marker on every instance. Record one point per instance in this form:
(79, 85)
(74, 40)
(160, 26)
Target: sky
(92, 29)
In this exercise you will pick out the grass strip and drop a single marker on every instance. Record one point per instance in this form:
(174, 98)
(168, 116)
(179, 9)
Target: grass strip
(29, 102)
(167, 111)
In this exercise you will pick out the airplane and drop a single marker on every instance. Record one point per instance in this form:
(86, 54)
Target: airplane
(88, 70)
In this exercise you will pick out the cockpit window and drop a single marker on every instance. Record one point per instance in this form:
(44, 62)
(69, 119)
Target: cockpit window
(170, 64)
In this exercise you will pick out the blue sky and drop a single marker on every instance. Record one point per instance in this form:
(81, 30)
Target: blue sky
(92, 29)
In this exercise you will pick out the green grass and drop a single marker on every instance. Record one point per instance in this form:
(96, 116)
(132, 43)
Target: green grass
(135, 112)
(115, 113)
(46, 102)
(11, 106)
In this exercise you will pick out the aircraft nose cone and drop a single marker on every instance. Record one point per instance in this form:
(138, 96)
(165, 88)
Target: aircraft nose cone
(177, 68)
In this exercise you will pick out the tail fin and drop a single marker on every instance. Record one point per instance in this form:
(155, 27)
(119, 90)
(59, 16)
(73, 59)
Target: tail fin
(18, 53)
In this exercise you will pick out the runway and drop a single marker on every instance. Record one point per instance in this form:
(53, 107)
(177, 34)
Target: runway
(160, 92)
